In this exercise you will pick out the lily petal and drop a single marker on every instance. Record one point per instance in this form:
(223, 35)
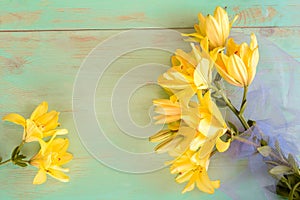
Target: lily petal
(207, 148)
(40, 110)
(237, 69)
(184, 176)
(214, 32)
(40, 177)
(204, 183)
(15, 118)
(58, 175)
(65, 158)
(32, 132)
(191, 184)
(161, 135)
(221, 145)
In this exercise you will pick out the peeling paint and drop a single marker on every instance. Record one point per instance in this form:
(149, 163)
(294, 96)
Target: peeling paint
(79, 10)
(15, 62)
(20, 17)
(134, 16)
(255, 15)
(79, 38)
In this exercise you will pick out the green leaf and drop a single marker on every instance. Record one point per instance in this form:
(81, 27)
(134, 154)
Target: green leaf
(281, 169)
(282, 190)
(295, 192)
(0, 159)
(292, 179)
(263, 142)
(288, 186)
(21, 164)
(278, 149)
(284, 185)
(293, 163)
(233, 127)
(264, 150)
(220, 103)
(251, 122)
(21, 156)
(15, 153)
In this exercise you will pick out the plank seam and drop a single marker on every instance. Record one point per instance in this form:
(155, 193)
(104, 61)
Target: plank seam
(124, 29)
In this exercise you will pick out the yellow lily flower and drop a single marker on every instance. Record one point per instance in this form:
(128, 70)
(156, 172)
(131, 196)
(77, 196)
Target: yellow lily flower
(40, 124)
(203, 71)
(211, 118)
(174, 140)
(216, 28)
(181, 129)
(190, 72)
(210, 127)
(205, 145)
(181, 85)
(50, 158)
(196, 64)
(166, 133)
(33, 133)
(183, 62)
(168, 110)
(238, 65)
(194, 170)
(211, 55)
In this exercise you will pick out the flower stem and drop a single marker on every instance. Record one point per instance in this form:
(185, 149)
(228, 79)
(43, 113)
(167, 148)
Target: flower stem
(21, 145)
(244, 98)
(235, 111)
(291, 196)
(4, 162)
(245, 141)
(238, 113)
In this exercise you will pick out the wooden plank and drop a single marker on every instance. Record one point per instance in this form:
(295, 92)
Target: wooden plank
(117, 14)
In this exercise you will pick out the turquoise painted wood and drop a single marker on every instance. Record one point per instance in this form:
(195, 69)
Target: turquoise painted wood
(42, 45)
(117, 14)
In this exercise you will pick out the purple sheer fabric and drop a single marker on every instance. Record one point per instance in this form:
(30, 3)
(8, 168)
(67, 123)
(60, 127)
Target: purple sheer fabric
(273, 101)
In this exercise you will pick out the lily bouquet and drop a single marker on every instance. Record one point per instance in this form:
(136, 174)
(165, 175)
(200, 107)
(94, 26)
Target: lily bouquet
(195, 128)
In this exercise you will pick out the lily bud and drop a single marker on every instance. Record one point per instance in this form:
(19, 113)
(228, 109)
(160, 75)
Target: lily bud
(238, 65)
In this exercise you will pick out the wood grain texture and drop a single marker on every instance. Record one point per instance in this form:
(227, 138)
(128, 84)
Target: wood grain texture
(117, 14)
(42, 45)
(38, 66)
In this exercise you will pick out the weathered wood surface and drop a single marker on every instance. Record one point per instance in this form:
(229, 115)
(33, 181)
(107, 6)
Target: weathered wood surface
(42, 45)
(118, 14)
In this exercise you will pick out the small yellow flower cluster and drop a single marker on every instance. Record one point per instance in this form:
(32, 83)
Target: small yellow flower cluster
(196, 129)
(52, 154)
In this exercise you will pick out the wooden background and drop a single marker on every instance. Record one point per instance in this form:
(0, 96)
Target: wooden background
(42, 45)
